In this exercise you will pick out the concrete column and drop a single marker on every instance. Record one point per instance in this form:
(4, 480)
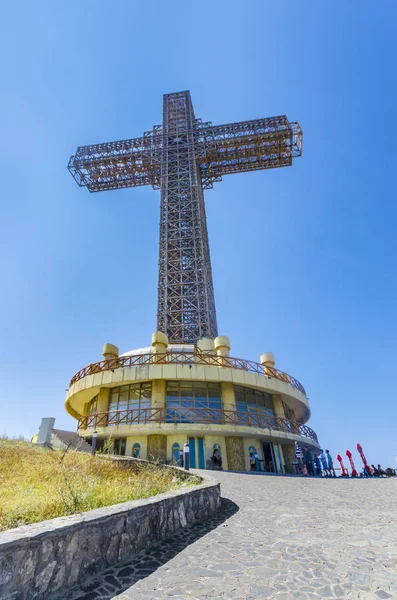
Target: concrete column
(222, 347)
(160, 344)
(158, 393)
(228, 396)
(45, 431)
(103, 400)
(157, 448)
(235, 453)
(268, 362)
(206, 345)
(281, 456)
(278, 406)
(110, 351)
(288, 453)
(294, 426)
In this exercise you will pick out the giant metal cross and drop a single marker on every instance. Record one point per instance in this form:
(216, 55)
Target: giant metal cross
(183, 157)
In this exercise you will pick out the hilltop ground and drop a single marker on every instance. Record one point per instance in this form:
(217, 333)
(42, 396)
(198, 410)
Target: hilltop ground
(278, 538)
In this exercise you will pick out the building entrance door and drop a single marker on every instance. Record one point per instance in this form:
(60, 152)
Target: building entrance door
(192, 452)
(201, 456)
(269, 464)
(199, 442)
(277, 456)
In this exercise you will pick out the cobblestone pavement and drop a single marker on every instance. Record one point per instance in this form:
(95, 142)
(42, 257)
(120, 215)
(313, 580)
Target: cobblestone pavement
(280, 538)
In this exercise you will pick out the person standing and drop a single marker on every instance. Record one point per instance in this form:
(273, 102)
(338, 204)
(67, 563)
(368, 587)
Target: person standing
(257, 465)
(317, 465)
(324, 463)
(216, 458)
(330, 463)
(252, 461)
(308, 460)
(298, 457)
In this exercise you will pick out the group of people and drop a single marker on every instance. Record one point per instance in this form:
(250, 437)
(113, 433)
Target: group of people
(313, 465)
(322, 465)
(372, 471)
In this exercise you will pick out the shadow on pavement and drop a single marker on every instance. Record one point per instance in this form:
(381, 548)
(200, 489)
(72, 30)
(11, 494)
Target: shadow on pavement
(122, 576)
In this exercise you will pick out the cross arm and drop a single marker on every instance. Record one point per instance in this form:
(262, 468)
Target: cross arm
(247, 146)
(114, 165)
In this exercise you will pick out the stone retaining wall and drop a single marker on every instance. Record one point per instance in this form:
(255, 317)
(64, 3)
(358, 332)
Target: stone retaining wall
(38, 561)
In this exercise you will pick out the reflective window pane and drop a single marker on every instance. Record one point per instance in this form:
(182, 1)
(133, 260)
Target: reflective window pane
(258, 404)
(194, 400)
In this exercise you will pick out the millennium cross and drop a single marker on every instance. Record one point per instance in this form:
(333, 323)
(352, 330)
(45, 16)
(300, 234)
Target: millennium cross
(182, 157)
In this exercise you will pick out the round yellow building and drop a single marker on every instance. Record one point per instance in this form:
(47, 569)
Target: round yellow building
(151, 401)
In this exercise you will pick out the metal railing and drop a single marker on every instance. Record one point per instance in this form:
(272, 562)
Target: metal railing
(215, 416)
(187, 358)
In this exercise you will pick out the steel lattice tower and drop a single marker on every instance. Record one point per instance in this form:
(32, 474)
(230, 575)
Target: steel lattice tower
(186, 303)
(182, 157)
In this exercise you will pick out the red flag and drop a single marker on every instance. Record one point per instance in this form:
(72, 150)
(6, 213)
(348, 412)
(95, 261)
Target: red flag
(344, 472)
(360, 451)
(349, 456)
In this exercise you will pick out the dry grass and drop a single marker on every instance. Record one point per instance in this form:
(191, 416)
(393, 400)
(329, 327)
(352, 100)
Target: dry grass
(38, 484)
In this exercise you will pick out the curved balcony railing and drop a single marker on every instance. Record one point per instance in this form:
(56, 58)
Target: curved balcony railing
(207, 416)
(187, 358)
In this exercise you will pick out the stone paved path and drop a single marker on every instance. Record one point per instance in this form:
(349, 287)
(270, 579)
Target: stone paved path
(276, 537)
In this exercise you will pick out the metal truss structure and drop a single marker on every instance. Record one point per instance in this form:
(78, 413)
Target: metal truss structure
(183, 157)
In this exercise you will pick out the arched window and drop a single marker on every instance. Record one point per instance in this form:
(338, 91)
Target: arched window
(216, 448)
(136, 450)
(175, 453)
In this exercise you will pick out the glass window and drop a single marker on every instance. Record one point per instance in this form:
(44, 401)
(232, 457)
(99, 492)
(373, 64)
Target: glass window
(253, 406)
(216, 450)
(93, 406)
(175, 454)
(193, 402)
(123, 397)
(132, 398)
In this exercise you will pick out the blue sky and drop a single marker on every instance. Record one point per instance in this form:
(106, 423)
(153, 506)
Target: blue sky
(304, 258)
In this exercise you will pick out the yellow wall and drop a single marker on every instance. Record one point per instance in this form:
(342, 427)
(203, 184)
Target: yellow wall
(287, 452)
(209, 442)
(103, 399)
(228, 395)
(258, 447)
(137, 439)
(278, 406)
(84, 390)
(175, 439)
(158, 393)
